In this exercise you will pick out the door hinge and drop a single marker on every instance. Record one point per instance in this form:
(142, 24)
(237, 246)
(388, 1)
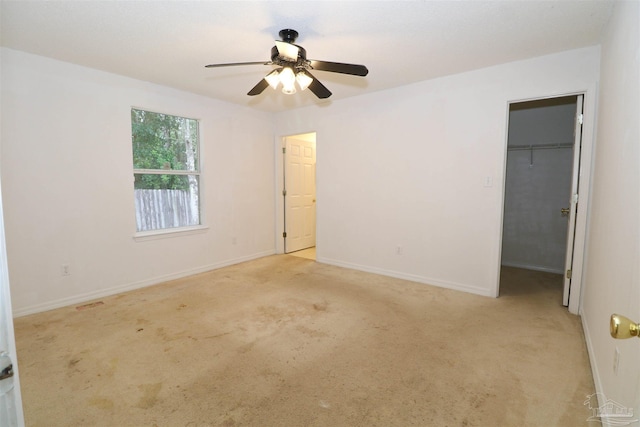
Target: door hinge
(284, 192)
(569, 274)
(580, 118)
(284, 149)
(284, 234)
(575, 198)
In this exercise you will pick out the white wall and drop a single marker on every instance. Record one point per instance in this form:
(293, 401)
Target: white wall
(68, 190)
(612, 279)
(408, 167)
(404, 167)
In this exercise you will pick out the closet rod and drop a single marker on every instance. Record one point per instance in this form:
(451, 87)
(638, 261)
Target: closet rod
(538, 147)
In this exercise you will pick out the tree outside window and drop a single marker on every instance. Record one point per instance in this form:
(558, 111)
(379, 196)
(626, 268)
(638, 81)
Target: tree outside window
(166, 170)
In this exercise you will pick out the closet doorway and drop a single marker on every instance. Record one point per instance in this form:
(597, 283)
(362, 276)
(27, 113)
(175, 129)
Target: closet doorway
(541, 186)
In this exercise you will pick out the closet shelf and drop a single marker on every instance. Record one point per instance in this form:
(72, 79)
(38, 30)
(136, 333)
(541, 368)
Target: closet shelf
(538, 147)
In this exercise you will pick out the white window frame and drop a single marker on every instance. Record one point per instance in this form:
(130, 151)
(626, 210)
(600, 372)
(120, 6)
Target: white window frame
(168, 232)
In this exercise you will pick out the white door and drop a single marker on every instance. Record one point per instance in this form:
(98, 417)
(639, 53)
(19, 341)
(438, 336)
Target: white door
(300, 192)
(10, 400)
(569, 264)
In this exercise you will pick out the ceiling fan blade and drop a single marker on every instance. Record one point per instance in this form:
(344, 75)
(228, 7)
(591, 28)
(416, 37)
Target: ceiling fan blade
(233, 64)
(287, 50)
(259, 88)
(318, 88)
(338, 67)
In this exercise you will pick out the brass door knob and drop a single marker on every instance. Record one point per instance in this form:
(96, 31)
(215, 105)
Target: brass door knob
(564, 211)
(622, 327)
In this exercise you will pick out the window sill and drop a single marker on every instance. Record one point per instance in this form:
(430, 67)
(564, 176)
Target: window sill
(166, 233)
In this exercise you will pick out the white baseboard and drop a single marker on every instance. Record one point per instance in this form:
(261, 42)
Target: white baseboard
(594, 367)
(533, 267)
(85, 297)
(411, 277)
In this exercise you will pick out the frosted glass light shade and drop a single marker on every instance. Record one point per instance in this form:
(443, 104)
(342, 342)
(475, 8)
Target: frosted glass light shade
(303, 80)
(273, 78)
(288, 80)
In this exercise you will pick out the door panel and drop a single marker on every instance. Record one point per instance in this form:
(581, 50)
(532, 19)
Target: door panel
(573, 200)
(10, 400)
(300, 199)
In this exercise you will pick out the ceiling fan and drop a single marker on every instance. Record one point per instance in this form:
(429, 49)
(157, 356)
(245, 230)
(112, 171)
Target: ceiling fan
(294, 67)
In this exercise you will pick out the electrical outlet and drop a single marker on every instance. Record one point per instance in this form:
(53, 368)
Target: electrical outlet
(65, 270)
(616, 360)
(399, 250)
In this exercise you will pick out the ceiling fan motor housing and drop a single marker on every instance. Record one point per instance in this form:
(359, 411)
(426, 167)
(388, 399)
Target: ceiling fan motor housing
(288, 35)
(277, 59)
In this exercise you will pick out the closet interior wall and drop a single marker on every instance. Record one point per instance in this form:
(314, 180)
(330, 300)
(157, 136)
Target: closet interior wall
(538, 183)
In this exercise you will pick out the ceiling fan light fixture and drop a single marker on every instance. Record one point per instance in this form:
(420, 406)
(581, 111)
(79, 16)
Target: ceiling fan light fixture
(273, 78)
(288, 79)
(303, 80)
(288, 90)
(293, 66)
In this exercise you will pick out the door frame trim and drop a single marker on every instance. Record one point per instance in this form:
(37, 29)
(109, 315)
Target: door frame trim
(280, 142)
(584, 189)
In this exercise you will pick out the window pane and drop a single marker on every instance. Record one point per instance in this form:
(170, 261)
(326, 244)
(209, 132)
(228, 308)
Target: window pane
(166, 201)
(161, 141)
(165, 142)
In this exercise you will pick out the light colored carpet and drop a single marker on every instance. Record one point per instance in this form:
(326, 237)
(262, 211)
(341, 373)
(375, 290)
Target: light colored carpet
(309, 253)
(284, 341)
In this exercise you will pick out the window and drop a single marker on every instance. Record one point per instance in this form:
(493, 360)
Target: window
(166, 170)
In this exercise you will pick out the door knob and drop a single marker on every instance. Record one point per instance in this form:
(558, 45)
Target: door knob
(6, 373)
(564, 211)
(6, 367)
(622, 327)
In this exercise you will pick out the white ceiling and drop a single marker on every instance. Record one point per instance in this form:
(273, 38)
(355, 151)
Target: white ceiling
(400, 42)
